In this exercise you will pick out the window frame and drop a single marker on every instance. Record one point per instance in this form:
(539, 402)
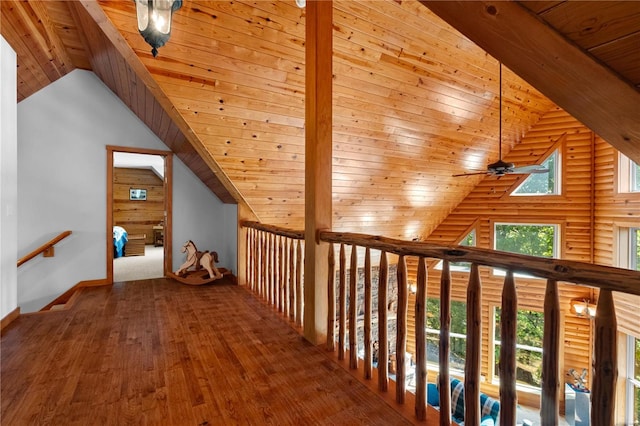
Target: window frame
(632, 384)
(435, 332)
(558, 238)
(557, 186)
(627, 248)
(457, 268)
(494, 342)
(627, 175)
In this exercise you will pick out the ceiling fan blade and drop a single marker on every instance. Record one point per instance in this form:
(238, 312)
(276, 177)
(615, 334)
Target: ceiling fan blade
(472, 174)
(536, 168)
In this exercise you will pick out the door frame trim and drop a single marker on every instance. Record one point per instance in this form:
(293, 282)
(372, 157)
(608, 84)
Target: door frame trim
(168, 204)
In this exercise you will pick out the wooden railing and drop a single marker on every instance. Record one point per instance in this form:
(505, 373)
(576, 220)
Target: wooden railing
(46, 249)
(275, 267)
(266, 280)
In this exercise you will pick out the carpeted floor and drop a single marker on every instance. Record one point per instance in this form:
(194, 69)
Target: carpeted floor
(139, 267)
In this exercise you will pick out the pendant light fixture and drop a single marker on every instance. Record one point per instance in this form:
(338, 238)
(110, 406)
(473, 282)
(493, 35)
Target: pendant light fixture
(154, 21)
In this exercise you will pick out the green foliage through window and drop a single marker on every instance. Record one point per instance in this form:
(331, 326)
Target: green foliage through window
(534, 240)
(529, 334)
(457, 340)
(541, 183)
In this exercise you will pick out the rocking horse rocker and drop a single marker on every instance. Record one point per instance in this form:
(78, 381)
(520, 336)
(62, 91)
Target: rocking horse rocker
(199, 268)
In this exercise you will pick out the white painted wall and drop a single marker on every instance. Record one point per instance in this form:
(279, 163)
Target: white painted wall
(8, 180)
(62, 133)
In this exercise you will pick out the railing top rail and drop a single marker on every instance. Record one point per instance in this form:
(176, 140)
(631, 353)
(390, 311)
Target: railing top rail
(285, 232)
(46, 246)
(603, 277)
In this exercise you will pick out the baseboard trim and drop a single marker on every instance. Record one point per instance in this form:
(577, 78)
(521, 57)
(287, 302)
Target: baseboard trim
(67, 296)
(8, 319)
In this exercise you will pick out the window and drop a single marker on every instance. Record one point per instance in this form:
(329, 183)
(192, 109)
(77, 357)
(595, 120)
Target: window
(629, 248)
(529, 332)
(458, 334)
(543, 183)
(540, 240)
(629, 174)
(633, 381)
(468, 241)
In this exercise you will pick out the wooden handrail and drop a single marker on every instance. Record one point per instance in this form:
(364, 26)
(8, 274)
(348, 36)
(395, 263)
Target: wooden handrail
(46, 247)
(605, 278)
(602, 277)
(273, 229)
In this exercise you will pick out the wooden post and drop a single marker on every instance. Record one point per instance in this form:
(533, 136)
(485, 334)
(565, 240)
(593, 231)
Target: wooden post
(550, 396)
(605, 362)
(508, 316)
(383, 339)
(474, 348)
(331, 301)
(445, 331)
(401, 330)
(353, 308)
(421, 342)
(318, 163)
(367, 315)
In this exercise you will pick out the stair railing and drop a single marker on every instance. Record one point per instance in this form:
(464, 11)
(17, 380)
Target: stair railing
(275, 267)
(281, 285)
(47, 249)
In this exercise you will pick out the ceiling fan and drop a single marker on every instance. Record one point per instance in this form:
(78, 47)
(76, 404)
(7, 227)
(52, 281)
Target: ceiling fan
(500, 167)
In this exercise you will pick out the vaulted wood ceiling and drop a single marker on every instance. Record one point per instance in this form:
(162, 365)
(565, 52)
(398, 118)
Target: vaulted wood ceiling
(415, 100)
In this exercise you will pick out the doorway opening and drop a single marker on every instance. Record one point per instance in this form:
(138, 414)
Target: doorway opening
(138, 213)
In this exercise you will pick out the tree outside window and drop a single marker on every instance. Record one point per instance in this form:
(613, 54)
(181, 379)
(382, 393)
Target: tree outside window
(458, 334)
(529, 334)
(534, 240)
(542, 183)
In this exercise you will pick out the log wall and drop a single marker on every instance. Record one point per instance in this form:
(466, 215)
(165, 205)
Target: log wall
(137, 217)
(586, 211)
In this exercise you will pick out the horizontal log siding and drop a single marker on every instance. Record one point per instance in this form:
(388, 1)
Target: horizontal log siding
(137, 217)
(614, 209)
(490, 202)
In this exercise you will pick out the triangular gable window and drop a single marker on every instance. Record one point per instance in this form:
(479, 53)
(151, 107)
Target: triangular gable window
(468, 241)
(543, 183)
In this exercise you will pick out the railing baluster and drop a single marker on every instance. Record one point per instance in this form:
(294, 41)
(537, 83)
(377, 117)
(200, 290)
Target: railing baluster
(263, 263)
(507, 366)
(299, 289)
(331, 305)
(474, 347)
(367, 315)
(292, 282)
(353, 308)
(605, 362)
(550, 392)
(445, 331)
(401, 330)
(383, 339)
(342, 327)
(421, 343)
(282, 306)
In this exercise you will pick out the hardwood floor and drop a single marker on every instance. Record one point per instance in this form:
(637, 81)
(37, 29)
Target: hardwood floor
(155, 352)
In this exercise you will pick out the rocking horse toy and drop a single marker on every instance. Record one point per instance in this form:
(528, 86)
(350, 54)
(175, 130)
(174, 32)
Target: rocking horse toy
(199, 268)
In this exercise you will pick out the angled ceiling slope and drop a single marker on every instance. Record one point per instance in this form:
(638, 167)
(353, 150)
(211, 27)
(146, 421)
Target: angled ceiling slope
(52, 38)
(584, 56)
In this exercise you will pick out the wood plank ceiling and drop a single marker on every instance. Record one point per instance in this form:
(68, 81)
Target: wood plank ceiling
(414, 99)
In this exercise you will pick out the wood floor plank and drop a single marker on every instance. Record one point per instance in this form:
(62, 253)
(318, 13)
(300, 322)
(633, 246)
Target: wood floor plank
(156, 352)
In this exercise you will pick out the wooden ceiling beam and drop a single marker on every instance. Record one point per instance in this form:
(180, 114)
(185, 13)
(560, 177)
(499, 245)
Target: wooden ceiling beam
(570, 77)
